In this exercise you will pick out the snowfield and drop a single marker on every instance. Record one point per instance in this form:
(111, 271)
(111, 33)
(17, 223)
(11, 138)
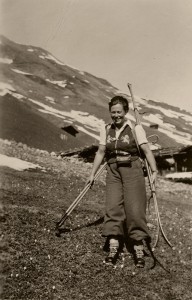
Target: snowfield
(93, 122)
(179, 175)
(61, 83)
(51, 57)
(74, 116)
(20, 72)
(16, 163)
(4, 60)
(5, 88)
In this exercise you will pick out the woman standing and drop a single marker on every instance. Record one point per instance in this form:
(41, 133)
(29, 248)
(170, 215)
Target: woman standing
(125, 182)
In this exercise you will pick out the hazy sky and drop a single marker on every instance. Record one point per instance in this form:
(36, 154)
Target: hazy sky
(145, 42)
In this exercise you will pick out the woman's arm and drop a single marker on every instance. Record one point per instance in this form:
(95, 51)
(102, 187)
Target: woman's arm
(151, 160)
(97, 162)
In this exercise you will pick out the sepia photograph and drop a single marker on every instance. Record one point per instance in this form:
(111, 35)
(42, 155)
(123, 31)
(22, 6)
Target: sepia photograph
(95, 149)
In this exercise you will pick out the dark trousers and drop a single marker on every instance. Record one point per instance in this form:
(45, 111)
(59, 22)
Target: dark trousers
(126, 200)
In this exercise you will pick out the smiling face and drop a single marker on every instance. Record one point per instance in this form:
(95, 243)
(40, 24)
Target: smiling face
(118, 114)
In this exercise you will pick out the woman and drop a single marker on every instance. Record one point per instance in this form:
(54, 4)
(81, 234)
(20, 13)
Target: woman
(125, 182)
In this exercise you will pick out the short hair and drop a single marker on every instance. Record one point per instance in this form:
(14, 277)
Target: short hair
(119, 100)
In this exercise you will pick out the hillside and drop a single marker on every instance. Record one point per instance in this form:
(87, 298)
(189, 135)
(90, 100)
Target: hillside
(36, 264)
(40, 95)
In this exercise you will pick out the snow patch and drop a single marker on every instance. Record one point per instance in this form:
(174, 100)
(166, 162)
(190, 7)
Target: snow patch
(179, 139)
(18, 96)
(68, 121)
(52, 113)
(5, 88)
(83, 118)
(179, 175)
(187, 118)
(83, 113)
(168, 129)
(159, 116)
(155, 119)
(20, 72)
(87, 81)
(81, 72)
(30, 50)
(169, 113)
(51, 57)
(50, 99)
(82, 129)
(4, 60)
(16, 163)
(61, 83)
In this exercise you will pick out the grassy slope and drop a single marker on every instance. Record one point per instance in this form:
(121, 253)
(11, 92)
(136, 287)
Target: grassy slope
(39, 265)
(20, 123)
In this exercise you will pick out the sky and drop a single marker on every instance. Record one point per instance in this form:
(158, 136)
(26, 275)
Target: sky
(144, 42)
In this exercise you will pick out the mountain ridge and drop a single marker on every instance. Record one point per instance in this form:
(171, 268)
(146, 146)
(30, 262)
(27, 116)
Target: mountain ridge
(56, 95)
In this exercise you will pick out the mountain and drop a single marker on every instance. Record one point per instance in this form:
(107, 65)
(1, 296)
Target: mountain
(52, 106)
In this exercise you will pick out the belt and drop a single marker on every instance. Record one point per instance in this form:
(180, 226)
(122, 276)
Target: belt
(124, 159)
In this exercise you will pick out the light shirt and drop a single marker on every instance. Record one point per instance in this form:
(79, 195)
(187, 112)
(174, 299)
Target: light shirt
(139, 132)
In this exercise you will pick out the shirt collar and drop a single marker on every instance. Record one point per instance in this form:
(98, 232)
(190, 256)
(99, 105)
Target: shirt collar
(127, 122)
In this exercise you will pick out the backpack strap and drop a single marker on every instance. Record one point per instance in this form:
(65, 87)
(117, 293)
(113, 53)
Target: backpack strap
(136, 141)
(140, 154)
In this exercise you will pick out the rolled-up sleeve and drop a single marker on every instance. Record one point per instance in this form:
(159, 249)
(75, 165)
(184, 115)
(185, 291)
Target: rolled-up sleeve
(102, 140)
(141, 135)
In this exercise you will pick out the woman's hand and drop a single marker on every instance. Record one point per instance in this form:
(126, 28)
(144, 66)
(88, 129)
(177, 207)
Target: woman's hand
(90, 180)
(154, 176)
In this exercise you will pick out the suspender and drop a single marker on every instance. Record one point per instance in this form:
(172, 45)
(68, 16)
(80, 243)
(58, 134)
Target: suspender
(135, 138)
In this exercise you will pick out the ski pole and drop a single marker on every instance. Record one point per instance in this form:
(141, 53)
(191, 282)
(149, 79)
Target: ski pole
(149, 173)
(157, 211)
(78, 199)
